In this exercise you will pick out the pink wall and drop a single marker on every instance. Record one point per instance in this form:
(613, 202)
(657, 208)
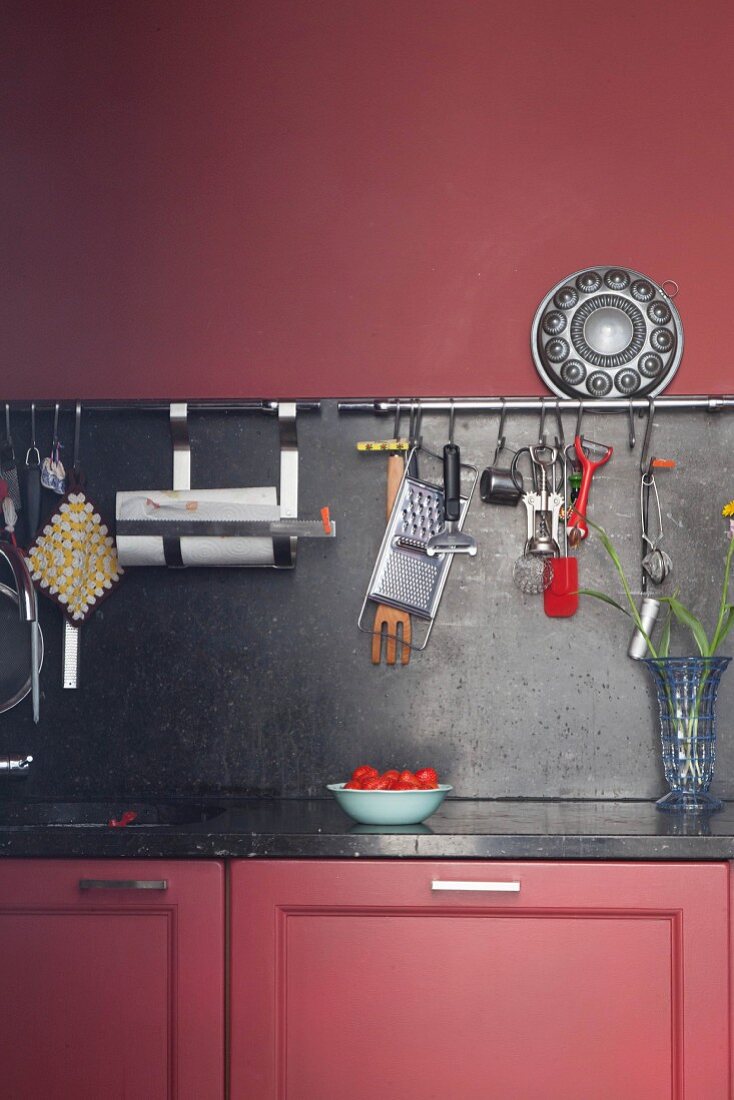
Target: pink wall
(351, 197)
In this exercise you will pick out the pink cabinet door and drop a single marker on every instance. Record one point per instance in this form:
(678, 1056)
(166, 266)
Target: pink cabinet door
(475, 980)
(111, 980)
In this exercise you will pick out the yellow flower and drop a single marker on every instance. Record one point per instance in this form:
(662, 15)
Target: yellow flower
(728, 509)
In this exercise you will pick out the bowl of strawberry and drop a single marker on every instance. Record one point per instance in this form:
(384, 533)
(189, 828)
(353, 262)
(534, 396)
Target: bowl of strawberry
(392, 797)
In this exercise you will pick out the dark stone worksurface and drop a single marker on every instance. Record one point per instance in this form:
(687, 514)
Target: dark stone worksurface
(317, 828)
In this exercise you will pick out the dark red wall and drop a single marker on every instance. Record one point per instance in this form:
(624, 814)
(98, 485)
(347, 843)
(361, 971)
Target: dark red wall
(351, 197)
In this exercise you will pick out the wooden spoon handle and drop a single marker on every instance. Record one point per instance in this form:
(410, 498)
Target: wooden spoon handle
(394, 477)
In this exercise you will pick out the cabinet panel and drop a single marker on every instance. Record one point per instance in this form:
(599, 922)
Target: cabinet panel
(594, 980)
(109, 992)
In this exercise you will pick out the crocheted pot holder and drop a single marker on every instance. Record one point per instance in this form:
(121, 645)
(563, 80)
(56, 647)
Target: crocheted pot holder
(73, 559)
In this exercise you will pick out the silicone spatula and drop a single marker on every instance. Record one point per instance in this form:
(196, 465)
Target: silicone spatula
(561, 598)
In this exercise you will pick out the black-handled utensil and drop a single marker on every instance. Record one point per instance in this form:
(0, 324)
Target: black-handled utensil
(451, 540)
(452, 482)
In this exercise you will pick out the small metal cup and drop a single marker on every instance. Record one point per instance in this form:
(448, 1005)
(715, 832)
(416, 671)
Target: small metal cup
(501, 484)
(498, 486)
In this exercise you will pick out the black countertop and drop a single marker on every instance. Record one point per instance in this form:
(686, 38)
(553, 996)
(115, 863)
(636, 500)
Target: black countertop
(461, 829)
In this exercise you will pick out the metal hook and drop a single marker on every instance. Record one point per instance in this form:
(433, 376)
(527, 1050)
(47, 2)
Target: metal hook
(560, 437)
(541, 427)
(414, 434)
(396, 426)
(632, 435)
(452, 416)
(416, 420)
(7, 421)
(77, 435)
(56, 424)
(500, 432)
(579, 419)
(645, 463)
(33, 455)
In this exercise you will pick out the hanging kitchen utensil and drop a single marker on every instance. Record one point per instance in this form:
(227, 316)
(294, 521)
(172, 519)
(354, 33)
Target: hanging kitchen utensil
(577, 526)
(656, 563)
(649, 606)
(451, 539)
(532, 572)
(561, 597)
(8, 467)
(392, 624)
(73, 561)
(404, 576)
(497, 484)
(32, 482)
(17, 653)
(53, 474)
(607, 332)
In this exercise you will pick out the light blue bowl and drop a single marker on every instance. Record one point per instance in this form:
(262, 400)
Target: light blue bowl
(389, 807)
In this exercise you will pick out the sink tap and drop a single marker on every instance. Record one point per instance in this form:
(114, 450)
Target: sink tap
(28, 608)
(15, 765)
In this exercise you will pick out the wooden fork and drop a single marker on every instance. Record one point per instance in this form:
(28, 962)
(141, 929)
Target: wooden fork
(388, 619)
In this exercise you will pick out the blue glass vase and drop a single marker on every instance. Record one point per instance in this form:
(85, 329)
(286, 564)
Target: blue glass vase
(687, 689)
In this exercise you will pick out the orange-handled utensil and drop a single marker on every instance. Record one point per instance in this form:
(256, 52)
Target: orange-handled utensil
(389, 619)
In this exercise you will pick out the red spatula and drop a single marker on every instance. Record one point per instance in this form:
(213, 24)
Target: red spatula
(561, 598)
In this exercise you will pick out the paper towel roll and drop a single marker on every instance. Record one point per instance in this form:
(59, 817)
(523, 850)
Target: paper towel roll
(257, 503)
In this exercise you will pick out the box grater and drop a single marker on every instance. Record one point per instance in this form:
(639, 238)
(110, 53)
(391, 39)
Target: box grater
(404, 575)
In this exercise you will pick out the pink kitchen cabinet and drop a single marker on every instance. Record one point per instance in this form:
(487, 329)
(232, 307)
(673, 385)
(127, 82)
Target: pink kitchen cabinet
(111, 980)
(391, 980)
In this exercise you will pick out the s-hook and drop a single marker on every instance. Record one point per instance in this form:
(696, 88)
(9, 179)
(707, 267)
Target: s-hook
(33, 481)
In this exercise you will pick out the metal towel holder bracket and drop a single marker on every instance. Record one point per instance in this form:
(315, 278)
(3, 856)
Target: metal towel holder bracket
(284, 546)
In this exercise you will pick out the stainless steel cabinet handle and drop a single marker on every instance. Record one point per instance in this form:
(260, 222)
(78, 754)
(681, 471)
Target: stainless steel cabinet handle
(488, 887)
(123, 884)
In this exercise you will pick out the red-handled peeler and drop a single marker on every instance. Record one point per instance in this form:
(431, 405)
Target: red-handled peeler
(578, 528)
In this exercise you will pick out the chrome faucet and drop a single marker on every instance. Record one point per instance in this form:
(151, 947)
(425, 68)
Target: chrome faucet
(15, 765)
(28, 608)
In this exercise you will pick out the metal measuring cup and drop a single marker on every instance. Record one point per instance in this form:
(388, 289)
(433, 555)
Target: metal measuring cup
(501, 484)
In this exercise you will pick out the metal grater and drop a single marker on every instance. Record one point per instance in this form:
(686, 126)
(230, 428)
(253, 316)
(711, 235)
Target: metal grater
(404, 576)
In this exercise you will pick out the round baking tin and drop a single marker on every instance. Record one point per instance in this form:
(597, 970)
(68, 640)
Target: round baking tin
(607, 331)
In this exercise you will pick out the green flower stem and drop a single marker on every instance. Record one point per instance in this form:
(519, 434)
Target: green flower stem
(609, 547)
(719, 633)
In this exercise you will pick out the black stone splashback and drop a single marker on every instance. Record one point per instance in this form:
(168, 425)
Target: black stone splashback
(257, 681)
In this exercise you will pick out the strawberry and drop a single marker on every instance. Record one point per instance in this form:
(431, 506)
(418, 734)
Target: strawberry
(353, 785)
(364, 771)
(391, 774)
(403, 785)
(372, 783)
(426, 785)
(408, 777)
(384, 783)
(428, 774)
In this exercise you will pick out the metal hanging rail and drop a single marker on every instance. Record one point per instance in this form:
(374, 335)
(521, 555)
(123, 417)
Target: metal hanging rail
(385, 407)
(234, 405)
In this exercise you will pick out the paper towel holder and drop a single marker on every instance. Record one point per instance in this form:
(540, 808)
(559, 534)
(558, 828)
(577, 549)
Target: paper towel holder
(284, 546)
(256, 527)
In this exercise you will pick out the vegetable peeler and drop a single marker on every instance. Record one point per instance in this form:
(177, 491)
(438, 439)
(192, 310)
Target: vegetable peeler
(578, 528)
